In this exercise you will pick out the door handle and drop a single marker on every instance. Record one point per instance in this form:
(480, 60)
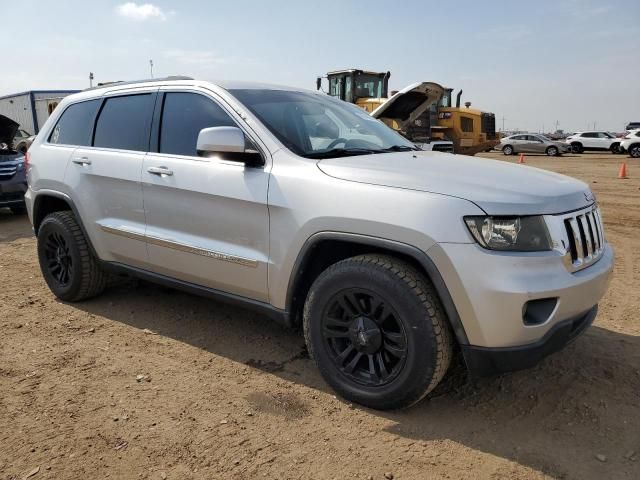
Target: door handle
(81, 160)
(160, 171)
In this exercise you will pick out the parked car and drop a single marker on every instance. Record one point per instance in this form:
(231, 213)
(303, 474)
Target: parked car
(13, 180)
(531, 143)
(387, 256)
(632, 126)
(22, 141)
(631, 144)
(593, 141)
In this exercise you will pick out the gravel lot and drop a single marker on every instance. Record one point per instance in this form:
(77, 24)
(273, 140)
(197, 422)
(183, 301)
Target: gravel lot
(146, 382)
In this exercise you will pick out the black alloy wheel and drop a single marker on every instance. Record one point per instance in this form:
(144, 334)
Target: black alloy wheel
(364, 337)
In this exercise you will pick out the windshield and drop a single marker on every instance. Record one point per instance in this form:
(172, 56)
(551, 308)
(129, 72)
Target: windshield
(369, 86)
(319, 126)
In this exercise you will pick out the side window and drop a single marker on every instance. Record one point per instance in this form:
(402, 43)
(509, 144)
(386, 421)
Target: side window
(183, 116)
(466, 124)
(123, 123)
(590, 135)
(74, 125)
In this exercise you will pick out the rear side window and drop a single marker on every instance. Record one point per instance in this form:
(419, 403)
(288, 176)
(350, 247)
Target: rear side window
(183, 116)
(123, 123)
(74, 125)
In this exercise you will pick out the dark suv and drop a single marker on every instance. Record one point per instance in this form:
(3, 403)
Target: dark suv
(13, 179)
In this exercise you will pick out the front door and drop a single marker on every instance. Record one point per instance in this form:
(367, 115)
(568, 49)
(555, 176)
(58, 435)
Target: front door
(207, 218)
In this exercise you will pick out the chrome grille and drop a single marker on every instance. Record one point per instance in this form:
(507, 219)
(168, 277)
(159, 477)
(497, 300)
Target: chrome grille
(585, 236)
(8, 171)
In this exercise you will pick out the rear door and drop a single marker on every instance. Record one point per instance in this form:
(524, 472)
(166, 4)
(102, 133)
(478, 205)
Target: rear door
(589, 140)
(207, 217)
(105, 177)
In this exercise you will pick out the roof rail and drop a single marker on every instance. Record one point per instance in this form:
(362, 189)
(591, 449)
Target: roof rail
(144, 80)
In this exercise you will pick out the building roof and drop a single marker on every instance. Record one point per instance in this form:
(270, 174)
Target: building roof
(20, 94)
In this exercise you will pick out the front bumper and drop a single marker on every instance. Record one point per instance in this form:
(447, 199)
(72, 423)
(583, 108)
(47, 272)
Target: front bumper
(12, 191)
(483, 361)
(491, 291)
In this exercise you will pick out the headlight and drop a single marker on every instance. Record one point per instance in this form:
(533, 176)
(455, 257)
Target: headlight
(516, 234)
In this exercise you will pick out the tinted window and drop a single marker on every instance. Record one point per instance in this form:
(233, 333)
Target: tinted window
(183, 116)
(124, 123)
(590, 135)
(74, 126)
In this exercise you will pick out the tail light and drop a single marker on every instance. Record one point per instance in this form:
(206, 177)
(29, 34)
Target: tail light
(27, 157)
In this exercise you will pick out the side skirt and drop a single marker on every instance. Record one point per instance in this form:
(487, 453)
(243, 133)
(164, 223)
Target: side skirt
(280, 316)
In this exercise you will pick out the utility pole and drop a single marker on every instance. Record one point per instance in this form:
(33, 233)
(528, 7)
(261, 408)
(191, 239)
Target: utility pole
(90, 79)
(503, 123)
(151, 67)
(557, 124)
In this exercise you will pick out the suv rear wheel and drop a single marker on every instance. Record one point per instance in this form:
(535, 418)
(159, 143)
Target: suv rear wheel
(68, 266)
(377, 331)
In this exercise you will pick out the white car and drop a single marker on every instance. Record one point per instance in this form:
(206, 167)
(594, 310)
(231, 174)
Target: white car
(593, 141)
(631, 143)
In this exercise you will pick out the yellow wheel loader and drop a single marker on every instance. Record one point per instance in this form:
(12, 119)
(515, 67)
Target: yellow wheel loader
(421, 112)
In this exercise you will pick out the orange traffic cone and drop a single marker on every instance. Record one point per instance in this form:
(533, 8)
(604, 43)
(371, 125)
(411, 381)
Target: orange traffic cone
(622, 173)
(521, 160)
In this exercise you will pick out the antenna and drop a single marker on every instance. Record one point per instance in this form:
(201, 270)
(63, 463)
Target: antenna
(90, 79)
(151, 67)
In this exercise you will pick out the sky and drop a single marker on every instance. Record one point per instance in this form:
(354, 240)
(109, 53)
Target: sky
(574, 62)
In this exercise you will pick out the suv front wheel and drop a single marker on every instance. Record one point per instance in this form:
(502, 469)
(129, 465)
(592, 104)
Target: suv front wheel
(68, 266)
(377, 331)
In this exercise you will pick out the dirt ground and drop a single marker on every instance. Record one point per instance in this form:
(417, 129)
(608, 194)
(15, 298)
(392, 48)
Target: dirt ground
(146, 382)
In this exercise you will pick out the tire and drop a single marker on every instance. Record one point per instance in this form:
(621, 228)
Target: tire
(553, 152)
(67, 264)
(382, 319)
(18, 210)
(615, 148)
(577, 147)
(508, 150)
(634, 150)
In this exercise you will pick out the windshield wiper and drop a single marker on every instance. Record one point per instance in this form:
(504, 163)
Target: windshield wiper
(400, 148)
(342, 152)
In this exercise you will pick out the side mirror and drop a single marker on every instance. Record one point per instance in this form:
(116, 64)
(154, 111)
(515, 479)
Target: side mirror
(229, 141)
(318, 83)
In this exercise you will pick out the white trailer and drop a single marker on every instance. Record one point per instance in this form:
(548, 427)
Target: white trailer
(31, 109)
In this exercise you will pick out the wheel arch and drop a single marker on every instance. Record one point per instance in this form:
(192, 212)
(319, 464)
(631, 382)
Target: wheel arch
(50, 201)
(324, 249)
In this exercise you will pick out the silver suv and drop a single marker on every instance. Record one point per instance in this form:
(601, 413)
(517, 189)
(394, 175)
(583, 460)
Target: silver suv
(309, 210)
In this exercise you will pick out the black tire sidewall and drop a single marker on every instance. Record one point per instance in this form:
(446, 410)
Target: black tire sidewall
(49, 225)
(576, 148)
(419, 366)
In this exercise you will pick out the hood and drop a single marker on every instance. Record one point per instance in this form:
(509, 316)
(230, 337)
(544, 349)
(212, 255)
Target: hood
(499, 188)
(409, 103)
(8, 129)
